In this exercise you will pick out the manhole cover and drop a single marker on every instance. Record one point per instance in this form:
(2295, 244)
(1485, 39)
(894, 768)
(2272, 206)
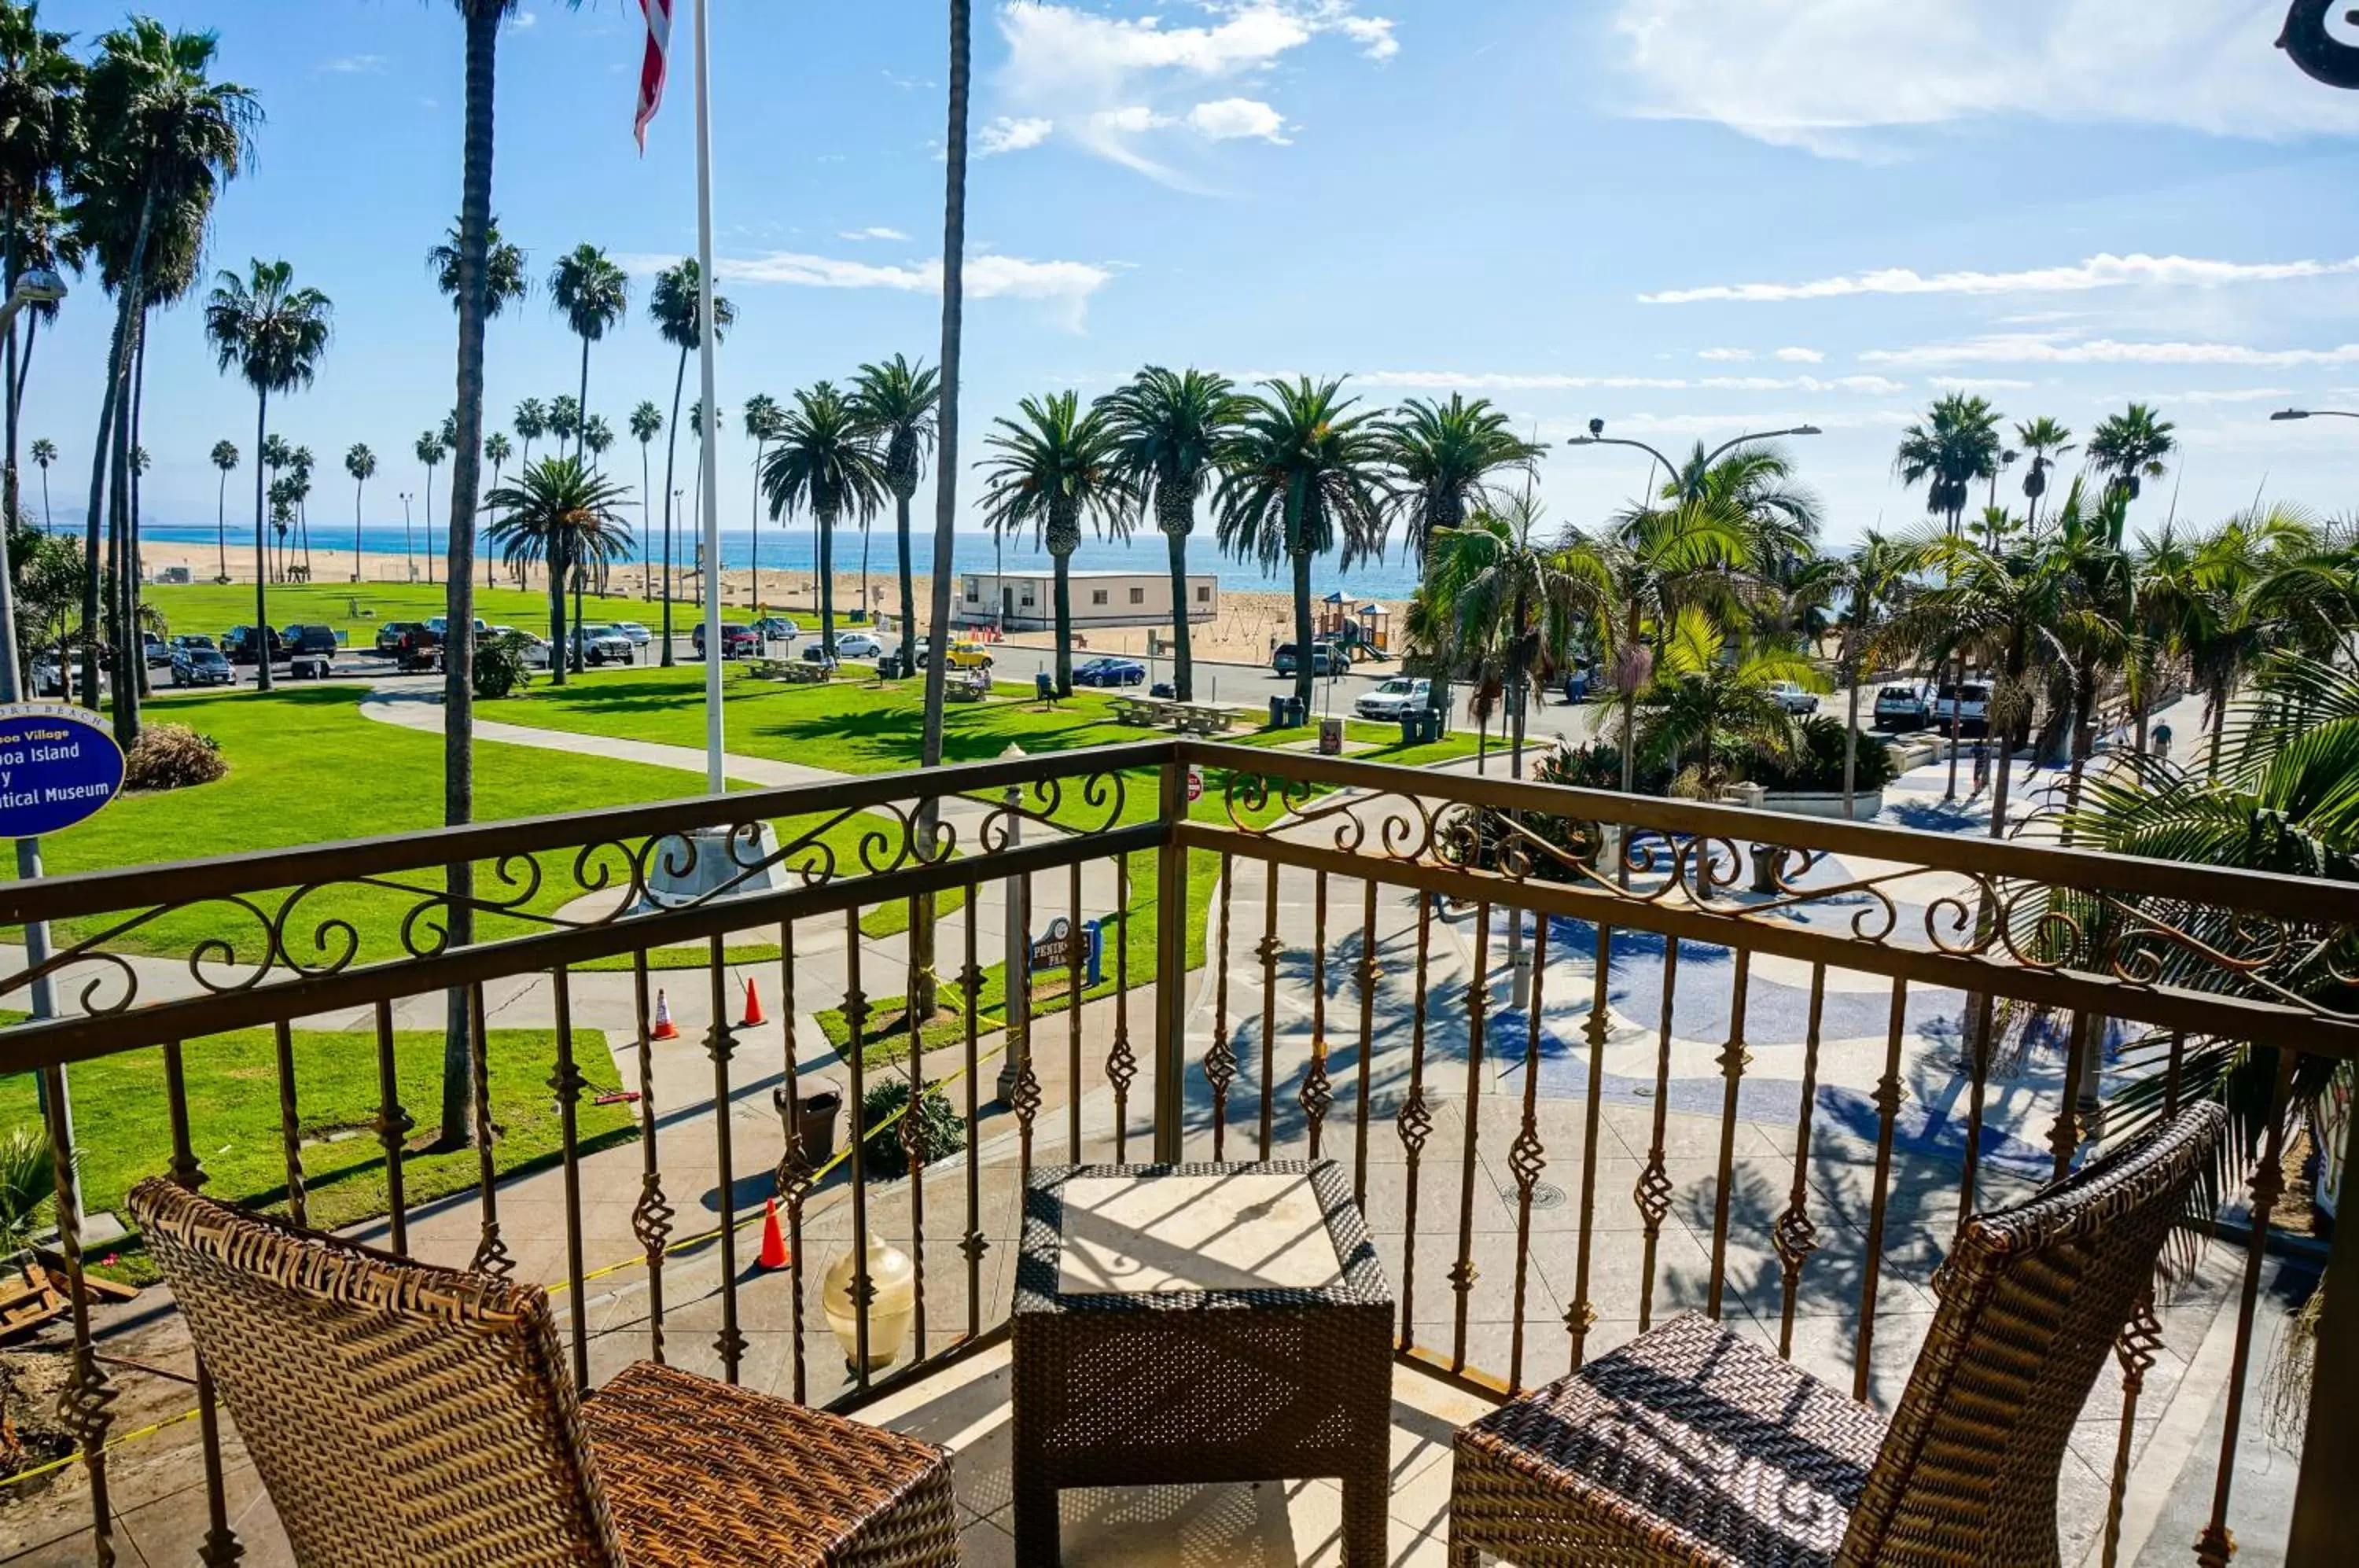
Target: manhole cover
(1547, 1195)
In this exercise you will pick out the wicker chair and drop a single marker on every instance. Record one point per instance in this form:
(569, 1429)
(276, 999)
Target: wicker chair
(404, 1415)
(1697, 1445)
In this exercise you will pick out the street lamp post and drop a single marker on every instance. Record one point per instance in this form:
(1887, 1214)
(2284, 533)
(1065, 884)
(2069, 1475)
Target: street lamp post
(2314, 414)
(409, 542)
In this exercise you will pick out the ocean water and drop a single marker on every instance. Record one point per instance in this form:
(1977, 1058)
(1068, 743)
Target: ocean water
(796, 549)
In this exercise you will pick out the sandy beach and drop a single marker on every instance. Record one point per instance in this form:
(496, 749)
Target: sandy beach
(1249, 623)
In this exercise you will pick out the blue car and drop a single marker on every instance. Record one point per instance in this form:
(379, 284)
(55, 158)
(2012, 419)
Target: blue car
(1110, 673)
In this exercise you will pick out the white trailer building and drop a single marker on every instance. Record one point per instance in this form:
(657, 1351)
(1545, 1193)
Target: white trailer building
(1027, 600)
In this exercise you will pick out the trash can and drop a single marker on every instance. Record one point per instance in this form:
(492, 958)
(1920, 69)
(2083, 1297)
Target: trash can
(1044, 686)
(1294, 713)
(1412, 727)
(1277, 712)
(817, 1111)
(888, 667)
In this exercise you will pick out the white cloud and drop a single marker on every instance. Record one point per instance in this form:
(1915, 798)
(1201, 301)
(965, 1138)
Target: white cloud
(2210, 395)
(2033, 348)
(1113, 84)
(356, 65)
(1063, 287)
(526, 19)
(874, 232)
(1978, 384)
(1498, 381)
(1006, 135)
(1725, 355)
(1801, 356)
(2103, 271)
(1228, 119)
(1826, 74)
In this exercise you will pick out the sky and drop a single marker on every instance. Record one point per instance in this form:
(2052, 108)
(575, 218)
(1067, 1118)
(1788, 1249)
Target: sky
(1688, 219)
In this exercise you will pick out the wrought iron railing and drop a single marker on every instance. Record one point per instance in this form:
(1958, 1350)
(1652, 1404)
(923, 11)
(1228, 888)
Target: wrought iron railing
(1301, 955)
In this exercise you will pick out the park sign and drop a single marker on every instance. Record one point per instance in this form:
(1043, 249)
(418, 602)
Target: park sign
(57, 767)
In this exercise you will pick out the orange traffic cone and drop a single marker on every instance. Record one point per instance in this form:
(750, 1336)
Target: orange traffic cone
(752, 1018)
(664, 1028)
(773, 1243)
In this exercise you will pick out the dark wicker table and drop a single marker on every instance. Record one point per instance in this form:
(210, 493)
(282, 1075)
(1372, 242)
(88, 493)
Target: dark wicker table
(1189, 1323)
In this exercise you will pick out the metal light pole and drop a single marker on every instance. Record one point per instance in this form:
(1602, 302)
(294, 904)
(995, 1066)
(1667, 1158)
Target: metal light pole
(2314, 414)
(409, 543)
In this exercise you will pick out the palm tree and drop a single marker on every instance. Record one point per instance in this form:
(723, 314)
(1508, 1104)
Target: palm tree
(302, 463)
(531, 424)
(505, 282)
(761, 417)
(165, 138)
(1056, 467)
(1872, 580)
(225, 457)
(430, 450)
(1955, 445)
(1531, 599)
(360, 463)
(895, 402)
(1449, 461)
(825, 465)
(41, 86)
(1301, 476)
(672, 306)
(565, 517)
(1661, 559)
(597, 438)
(1712, 699)
(1168, 427)
(496, 451)
(592, 293)
(1754, 488)
(44, 452)
(565, 418)
(275, 334)
(647, 423)
(2129, 447)
(2046, 440)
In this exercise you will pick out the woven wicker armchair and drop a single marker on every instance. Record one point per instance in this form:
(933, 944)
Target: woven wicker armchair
(406, 1416)
(1696, 1445)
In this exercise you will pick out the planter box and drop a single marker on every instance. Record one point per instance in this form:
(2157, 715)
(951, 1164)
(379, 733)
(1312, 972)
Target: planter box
(1867, 804)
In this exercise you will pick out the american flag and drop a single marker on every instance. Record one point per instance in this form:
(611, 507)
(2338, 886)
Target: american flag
(652, 68)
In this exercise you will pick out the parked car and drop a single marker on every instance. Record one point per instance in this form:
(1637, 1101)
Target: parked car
(201, 667)
(191, 639)
(390, 633)
(736, 641)
(1971, 702)
(1901, 708)
(49, 676)
(857, 645)
(776, 628)
(439, 626)
(640, 637)
(533, 650)
(309, 639)
(249, 645)
(156, 648)
(1097, 671)
(603, 645)
(974, 656)
(1793, 699)
(1396, 697)
(1326, 659)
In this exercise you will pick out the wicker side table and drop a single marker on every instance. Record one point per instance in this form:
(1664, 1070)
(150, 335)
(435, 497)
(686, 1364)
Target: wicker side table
(1185, 1323)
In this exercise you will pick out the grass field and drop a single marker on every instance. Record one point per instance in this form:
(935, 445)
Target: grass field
(357, 609)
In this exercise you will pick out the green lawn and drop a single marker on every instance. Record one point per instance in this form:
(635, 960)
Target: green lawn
(357, 609)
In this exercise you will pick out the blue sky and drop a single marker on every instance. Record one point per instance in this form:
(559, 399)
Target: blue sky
(1686, 218)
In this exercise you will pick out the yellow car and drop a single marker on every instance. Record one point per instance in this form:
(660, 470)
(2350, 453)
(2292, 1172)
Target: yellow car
(963, 655)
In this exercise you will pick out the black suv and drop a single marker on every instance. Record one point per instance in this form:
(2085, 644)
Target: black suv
(249, 645)
(309, 639)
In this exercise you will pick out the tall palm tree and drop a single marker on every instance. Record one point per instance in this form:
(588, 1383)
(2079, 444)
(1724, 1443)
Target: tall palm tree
(225, 457)
(592, 293)
(895, 402)
(531, 424)
(761, 418)
(1952, 448)
(1449, 460)
(496, 451)
(360, 463)
(1754, 487)
(303, 464)
(1710, 701)
(1663, 558)
(559, 515)
(647, 423)
(40, 89)
(166, 137)
(1302, 475)
(505, 282)
(565, 418)
(1057, 466)
(2129, 448)
(1873, 580)
(275, 334)
(672, 306)
(430, 450)
(1169, 426)
(44, 452)
(597, 438)
(825, 463)
(2046, 440)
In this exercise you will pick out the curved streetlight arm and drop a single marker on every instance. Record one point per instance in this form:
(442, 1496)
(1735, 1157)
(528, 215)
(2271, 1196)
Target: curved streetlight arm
(1671, 468)
(2314, 414)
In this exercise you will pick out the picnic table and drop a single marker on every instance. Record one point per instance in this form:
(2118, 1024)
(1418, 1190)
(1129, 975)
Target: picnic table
(1202, 718)
(1144, 712)
(771, 668)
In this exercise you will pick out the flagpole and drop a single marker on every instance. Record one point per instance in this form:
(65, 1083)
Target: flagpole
(710, 486)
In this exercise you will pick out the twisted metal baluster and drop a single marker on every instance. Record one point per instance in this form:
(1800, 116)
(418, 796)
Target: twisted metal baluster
(1653, 1191)
(2216, 1543)
(856, 1018)
(651, 1216)
(221, 1543)
(1582, 1315)
(1316, 1093)
(792, 1178)
(1463, 1273)
(1121, 1065)
(565, 1082)
(1733, 1059)
(491, 1256)
(1221, 1057)
(1527, 1157)
(2065, 1136)
(1888, 1095)
(1794, 1236)
(393, 1127)
(83, 1404)
(1368, 975)
(1270, 950)
(913, 1148)
(1415, 1124)
(1979, 1062)
(291, 1125)
(721, 1043)
(1073, 977)
(2136, 1349)
(974, 1245)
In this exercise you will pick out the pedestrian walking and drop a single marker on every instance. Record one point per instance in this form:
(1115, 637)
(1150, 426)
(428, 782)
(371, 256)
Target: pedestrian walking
(2162, 740)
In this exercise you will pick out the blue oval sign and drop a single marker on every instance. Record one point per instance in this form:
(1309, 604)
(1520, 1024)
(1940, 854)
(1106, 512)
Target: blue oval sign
(57, 767)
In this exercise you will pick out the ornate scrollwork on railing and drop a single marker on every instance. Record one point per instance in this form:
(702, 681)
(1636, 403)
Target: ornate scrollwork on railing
(1096, 807)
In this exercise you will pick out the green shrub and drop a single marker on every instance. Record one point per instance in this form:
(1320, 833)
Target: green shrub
(1817, 765)
(941, 1132)
(500, 668)
(29, 1180)
(172, 756)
